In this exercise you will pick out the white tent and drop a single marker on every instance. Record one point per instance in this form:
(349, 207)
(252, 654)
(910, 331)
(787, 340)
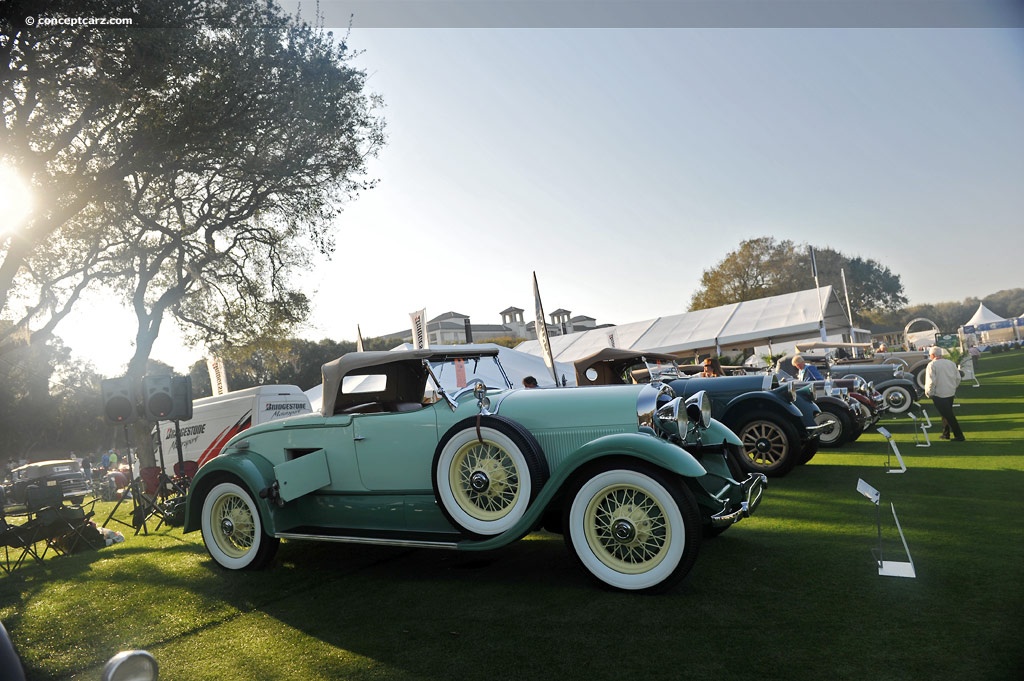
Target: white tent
(789, 317)
(982, 316)
(988, 327)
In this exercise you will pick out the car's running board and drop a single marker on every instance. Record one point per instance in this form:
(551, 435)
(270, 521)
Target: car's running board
(376, 541)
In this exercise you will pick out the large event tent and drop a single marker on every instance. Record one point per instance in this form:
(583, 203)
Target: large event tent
(989, 326)
(778, 319)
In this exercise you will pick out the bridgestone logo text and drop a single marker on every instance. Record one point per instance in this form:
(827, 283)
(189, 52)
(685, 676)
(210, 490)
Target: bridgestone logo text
(281, 406)
(189, 431)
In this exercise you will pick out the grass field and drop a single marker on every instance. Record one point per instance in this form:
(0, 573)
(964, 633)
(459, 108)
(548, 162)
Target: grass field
(791, 594)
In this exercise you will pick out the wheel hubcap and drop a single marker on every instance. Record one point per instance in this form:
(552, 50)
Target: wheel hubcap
(479, 482)
(623, 531)
(227, 527)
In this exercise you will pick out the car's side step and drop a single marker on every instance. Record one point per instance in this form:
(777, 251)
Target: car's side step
(376, 541)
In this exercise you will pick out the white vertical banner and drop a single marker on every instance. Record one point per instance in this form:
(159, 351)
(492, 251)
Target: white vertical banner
(420, 341)
(821, 308)
(218, 375)
(359, 339)
(542, 331)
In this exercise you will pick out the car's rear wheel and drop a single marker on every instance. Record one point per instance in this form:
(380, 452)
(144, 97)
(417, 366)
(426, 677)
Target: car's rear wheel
(232, 529)
(632, 527)
(840, 430)
(899, 399)
(486, 477)
(770, 446)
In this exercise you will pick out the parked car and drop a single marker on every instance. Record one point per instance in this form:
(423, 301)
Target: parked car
(433, 448)
(775, 434)
(66, 473)
(897, 387)
(778, 428)
(849, 406)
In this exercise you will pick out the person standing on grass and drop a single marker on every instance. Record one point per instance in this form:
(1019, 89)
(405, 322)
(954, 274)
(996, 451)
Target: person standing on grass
(941, 379)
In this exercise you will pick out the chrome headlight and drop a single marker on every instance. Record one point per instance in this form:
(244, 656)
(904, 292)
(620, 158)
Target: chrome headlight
(668, 418)
(698, 409)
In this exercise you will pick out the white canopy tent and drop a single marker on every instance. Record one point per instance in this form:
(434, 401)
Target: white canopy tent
(789, 317)
(988, 327)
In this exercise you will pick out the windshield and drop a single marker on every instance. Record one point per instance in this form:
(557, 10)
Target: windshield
(455, 372)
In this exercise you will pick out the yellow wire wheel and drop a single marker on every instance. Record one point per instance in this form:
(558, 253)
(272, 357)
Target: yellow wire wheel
(486, 477)
(627, 528)
(232, 528)
(632, 526)
(484, 480)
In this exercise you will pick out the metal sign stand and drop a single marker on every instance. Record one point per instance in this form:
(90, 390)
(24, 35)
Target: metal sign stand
(887, 568)
(923, 426)
(895, 450)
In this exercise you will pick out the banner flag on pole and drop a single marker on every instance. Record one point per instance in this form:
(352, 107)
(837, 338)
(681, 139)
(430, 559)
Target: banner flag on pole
(218, 375)
(542, 331)
(821, 308)
(420, 341)
(359, 339)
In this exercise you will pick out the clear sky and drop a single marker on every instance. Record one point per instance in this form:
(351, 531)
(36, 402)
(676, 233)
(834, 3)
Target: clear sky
(620, 163)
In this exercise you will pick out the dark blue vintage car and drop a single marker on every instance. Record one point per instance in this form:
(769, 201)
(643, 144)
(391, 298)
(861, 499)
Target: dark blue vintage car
(777, 424)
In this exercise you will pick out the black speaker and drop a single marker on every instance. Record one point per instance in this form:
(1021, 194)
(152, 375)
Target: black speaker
(119, 400)
(156, 397)
(181, 395)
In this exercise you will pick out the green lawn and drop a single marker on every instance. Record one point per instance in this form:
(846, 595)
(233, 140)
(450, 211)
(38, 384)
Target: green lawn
(791, 594)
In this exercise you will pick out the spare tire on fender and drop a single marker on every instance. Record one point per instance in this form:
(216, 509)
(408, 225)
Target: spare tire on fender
(487, 470)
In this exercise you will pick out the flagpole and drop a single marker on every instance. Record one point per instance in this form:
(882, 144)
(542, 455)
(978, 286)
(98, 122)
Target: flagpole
(542, 331)
(817, 288)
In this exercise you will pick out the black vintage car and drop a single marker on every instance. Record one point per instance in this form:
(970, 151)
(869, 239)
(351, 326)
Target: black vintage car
(65, 473)
(898, 388)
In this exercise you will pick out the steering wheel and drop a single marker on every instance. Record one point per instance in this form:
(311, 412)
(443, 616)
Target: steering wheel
(469, 387)
(898, 361)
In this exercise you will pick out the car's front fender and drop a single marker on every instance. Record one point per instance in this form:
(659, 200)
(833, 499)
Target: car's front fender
(717, 432)
(254, 471)
(760, 400)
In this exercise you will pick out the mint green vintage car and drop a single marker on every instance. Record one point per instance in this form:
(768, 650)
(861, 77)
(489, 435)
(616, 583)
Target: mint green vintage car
(433, 448)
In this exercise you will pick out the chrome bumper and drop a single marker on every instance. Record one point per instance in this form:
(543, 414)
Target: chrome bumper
(753, 488)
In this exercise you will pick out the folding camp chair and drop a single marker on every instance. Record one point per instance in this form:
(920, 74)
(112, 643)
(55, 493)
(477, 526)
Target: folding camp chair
(59, 525)
(19, 542)
(184, 471)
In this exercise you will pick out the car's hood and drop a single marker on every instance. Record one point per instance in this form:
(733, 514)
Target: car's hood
(592, 406)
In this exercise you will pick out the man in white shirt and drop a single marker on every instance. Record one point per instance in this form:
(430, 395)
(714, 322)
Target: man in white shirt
(941, 379)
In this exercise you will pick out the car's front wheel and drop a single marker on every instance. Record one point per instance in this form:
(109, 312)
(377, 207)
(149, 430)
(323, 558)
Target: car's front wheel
(771, 446)
(840, 429)
(632, 527)
(232, 529)
(899, 399)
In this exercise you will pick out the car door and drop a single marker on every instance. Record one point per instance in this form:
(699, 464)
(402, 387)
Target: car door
(394, 451)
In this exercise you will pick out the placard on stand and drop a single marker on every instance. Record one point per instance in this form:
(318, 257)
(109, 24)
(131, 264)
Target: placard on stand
(887, 568)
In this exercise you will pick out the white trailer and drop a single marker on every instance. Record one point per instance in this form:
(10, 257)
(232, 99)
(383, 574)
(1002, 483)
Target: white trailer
(215, 420)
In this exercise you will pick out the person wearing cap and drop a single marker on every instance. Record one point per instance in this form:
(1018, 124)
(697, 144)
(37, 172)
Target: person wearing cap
(941, 379)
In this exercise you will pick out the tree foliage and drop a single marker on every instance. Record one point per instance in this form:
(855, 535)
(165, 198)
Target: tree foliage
(192, 170)
(764, 267)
